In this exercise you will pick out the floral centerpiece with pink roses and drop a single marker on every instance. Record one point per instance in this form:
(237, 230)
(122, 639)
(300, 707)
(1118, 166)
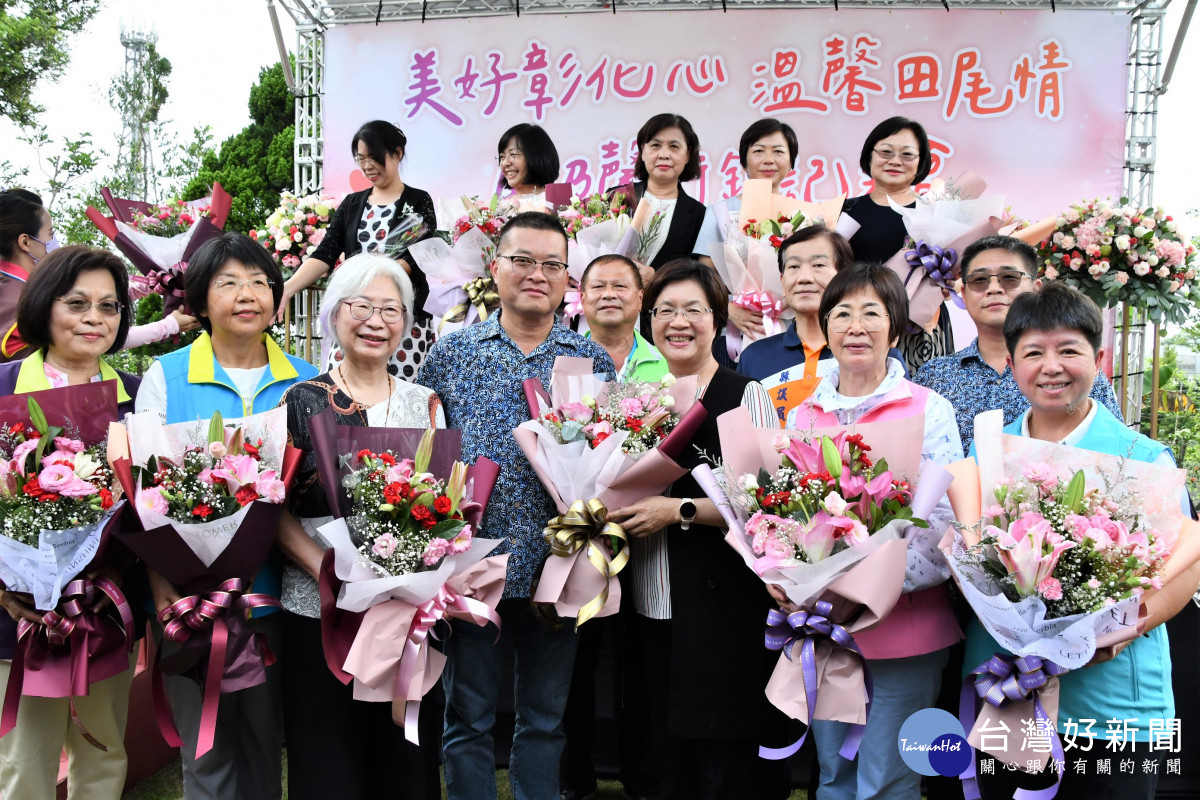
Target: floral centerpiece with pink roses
(295, 228)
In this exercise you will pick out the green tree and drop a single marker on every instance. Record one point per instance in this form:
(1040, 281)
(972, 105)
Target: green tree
(254, 165)
(141, 96)
(33, 45)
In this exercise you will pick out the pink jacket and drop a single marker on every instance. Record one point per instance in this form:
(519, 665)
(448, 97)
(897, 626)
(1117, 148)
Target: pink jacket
(922, 621)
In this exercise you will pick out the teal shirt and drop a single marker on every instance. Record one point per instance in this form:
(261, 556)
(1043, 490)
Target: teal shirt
(1136, 685)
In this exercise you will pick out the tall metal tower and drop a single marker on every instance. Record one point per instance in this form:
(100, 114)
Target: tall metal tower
(135, 153)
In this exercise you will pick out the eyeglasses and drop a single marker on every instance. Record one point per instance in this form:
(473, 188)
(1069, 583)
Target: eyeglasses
(363, 311)
(510, 155)
(668, 313)
(76, 305)
(257, 285)
(840, 320)
(906, 156)
(524, 266)
(361, 160)
(1008, 280)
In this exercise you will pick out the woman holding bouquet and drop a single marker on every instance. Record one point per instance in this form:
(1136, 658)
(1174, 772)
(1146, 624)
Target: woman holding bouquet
(384, 219)
(71, 315)
(668, 156)
(862, 313)
(366, 309)
(528, 161)
(767, 151)
(235, 368)
(897, 157)
(1053, 337)
(697, 633)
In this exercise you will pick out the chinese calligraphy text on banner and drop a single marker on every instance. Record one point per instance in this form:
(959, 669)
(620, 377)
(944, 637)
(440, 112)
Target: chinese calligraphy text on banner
(1030, 100)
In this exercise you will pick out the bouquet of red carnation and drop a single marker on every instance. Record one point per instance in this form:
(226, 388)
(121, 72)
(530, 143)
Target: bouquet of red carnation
(610, 463)
(58, 506)
(403, 554)
(159, 240)
(208, 498)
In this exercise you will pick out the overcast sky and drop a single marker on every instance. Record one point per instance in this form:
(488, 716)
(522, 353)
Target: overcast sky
(217, 48)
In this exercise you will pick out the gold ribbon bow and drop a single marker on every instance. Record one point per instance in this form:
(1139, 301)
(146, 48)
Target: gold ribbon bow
(586, 525)
(481, 293)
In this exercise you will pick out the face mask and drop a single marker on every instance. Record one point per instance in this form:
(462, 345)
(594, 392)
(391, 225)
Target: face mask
(50, 244)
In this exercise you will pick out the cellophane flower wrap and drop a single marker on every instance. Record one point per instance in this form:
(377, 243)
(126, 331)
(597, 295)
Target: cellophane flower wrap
(615, 231)
(461, 288)
(832, 516)
(296, 228)
(1055, 550)
(598, 446)
(138, 231)
(1121, 253)
(207, 496)
(949, 216)
(582, 214)
(59, 505)
(403, 553)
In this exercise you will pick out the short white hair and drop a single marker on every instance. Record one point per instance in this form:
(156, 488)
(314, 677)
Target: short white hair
(351, 279)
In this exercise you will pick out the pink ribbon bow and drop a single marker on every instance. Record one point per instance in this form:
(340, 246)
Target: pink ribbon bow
(180, 621)
(574, 304)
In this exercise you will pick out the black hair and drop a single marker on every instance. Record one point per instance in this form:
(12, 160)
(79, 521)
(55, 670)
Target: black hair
(56, 274)
(843, 256)
(20, 213)
(860, 277)
(763, 128)
(894, 125)
(215, 254)
(609, 258)
(541, 156)
(1056, 306)
(534, 221)
(1021, 250)
(381, 138)
(678, 270)
(656, 125)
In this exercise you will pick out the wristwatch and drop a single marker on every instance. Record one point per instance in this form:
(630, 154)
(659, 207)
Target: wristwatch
(687, 513)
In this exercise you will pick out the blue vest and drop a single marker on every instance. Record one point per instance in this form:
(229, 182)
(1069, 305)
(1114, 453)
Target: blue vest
(1136, 685)
(197, 386)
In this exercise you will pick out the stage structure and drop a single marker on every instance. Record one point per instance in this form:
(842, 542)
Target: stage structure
(1143, 57)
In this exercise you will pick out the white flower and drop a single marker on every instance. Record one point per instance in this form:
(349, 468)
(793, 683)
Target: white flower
(1152, 259)
(667, 381)
(835, 504)
(298, 236)
(1140, 231)
(1162, 272)
(85, 465)
(748, 483)
(1122, 242)
(666, 401)
(1141, 268)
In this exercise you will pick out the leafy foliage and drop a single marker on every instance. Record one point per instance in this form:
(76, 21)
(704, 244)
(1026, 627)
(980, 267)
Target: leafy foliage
(33, 45)
(254, 165)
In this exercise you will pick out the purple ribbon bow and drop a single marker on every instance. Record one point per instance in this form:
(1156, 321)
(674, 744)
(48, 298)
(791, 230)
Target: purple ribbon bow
(1005, 679)
(808, 629)
(939, 264)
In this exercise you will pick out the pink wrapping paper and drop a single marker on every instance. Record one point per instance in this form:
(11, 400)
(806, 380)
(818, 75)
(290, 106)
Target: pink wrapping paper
(575, 471)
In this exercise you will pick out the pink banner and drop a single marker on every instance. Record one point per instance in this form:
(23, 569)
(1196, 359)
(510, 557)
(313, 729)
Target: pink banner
(1033, 101)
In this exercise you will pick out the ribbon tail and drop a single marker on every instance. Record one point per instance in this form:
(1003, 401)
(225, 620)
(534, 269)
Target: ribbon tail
(79, 667)
(966, 717)
(12, 693)
(780, 753)
(83, 731)
(1056, 751)
(808, 662)
(162, 710)
(850, 744)
(411, 715)
(212, 688)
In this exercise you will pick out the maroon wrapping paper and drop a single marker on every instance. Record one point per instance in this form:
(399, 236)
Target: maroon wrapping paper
(338, 626)
(82, 411)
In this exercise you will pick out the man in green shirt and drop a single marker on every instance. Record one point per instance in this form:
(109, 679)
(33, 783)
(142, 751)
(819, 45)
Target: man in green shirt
(611, 291)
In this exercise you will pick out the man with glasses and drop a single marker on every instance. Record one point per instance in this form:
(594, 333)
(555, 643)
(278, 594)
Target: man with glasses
(478, 372)
(977, 378)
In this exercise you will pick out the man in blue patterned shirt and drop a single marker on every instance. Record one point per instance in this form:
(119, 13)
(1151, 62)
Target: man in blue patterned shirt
(478, 374)
(978, 378)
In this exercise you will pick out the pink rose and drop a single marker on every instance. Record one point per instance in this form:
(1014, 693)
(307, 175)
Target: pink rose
(273, 491)
(631, 406)
(1041, 474)
(317, 236)
(577, 412)
(55, 477)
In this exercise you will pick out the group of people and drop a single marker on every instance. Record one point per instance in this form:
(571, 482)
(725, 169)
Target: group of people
(691, 703)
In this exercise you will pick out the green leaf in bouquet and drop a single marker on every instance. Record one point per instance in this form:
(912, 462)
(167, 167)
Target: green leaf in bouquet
(447, 528)
(571, 431)
(216, 429)
(37, 417)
